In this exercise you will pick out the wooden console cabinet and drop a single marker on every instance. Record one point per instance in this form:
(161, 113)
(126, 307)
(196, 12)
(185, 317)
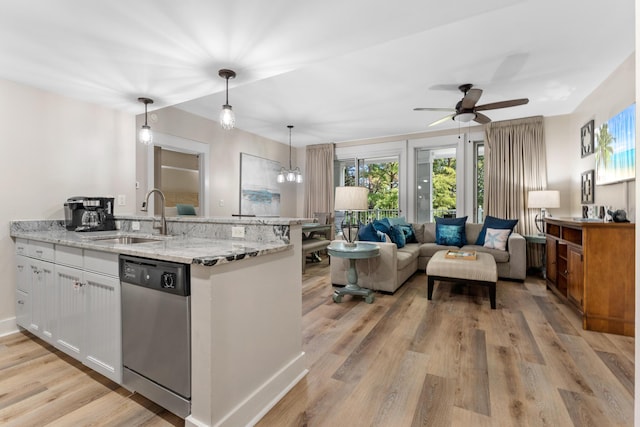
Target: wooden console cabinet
(591, 265)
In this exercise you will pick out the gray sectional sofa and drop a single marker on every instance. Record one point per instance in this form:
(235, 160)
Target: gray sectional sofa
(394, 266)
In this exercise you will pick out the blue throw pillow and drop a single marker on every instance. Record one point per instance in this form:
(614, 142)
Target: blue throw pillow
(397, 237)
(450, 235)
(496, 224)
(381, 225)
(409, 233)
(368, 233)
(397, 221)
(453, 221)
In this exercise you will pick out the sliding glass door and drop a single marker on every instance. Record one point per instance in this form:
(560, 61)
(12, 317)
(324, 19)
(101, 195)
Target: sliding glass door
(436, 183)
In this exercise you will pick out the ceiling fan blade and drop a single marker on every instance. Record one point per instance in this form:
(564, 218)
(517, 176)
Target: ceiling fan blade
(502, 104)
(444, 119)
(470, 98)
(482, 119)
(432, 109)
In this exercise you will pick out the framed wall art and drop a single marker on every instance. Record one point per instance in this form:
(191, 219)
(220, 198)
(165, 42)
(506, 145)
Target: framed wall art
(259, 192)
(586, 139)
(587, 187)
(616, 148)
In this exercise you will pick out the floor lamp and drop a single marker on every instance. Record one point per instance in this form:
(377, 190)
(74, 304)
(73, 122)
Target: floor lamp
(543, 200)
(349, 200)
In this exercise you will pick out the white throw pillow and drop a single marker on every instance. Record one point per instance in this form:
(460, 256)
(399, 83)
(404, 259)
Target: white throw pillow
(496, 239)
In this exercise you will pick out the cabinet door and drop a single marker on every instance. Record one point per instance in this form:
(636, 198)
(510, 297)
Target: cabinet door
(42, 297)
(70, 305)
(552, 262)
(23, 288)
(102, 351)
(575, 288)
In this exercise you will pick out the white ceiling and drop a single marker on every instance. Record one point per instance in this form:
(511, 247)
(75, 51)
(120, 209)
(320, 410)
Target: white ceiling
(337, 70)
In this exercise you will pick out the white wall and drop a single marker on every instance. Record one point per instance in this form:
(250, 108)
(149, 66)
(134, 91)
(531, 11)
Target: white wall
(53, 148)
(226, 147)
(564, 163)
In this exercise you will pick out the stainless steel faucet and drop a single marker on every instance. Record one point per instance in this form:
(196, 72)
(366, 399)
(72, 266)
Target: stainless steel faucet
(163, 219)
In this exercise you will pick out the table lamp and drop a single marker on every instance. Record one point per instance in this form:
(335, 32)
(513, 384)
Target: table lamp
(543, 200)
(350, 199)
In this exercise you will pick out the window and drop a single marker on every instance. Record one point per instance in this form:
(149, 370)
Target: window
(436, 183)
(478, 201)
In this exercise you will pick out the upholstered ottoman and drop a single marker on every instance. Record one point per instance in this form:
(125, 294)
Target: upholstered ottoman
(480, 271)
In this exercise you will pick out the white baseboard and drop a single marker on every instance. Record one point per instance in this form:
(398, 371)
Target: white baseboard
(8, 326)
(254, 407)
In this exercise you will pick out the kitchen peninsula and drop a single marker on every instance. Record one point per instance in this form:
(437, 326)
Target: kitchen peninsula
(245, 303)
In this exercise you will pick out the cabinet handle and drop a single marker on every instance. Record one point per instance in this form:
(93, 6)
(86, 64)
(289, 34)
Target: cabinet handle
(77, 285)
(20, 302)
(39, 252)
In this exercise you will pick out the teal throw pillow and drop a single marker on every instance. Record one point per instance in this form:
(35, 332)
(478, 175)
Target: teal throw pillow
(409, 233)
(453, 221)
(450, 235)
(496, 224)
(397, 221)
(397, 237)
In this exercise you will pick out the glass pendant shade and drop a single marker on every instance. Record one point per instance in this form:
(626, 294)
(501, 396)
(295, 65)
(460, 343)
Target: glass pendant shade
(464, 117)
(289, 175)
(145, 136)
(227, 117)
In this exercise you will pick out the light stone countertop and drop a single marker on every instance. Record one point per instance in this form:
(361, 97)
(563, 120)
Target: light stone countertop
(186, 250)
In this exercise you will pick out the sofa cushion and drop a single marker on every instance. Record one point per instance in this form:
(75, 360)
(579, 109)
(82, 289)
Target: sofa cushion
(498, 255)
(454, 236)
(497, 223)
(429, 233)
(472, 230)
(428, 249)
(406, 257)
(418, 230)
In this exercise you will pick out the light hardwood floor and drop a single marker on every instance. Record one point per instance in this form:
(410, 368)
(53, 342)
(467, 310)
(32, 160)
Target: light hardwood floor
(401, 361)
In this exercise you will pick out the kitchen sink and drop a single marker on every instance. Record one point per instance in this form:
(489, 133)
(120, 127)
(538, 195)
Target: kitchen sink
(128, 240)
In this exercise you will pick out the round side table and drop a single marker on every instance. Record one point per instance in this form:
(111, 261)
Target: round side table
(360, 250)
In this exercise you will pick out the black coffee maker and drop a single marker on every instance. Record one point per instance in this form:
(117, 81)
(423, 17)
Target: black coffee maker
(89, 214)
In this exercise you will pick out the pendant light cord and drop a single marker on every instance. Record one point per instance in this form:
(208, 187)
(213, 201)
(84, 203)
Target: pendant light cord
(227, 102)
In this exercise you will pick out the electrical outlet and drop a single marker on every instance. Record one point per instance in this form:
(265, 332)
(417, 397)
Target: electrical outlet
(122, 200)
(221, 203)
(135, 226)
(237, 232)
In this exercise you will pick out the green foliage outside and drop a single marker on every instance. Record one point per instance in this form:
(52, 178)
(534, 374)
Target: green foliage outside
(444, 184)
(382, 181)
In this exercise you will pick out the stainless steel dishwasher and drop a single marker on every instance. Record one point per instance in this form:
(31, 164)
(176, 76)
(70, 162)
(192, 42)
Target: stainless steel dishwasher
(156, 331)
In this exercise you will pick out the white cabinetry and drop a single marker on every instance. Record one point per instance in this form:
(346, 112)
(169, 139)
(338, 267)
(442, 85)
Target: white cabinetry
(89, 305)
(70, 297)
(35, 290)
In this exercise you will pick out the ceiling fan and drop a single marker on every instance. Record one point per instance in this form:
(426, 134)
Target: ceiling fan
(467, 110)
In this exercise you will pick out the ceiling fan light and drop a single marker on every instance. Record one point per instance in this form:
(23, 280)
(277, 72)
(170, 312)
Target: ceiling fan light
(464, 117)
(227, 117)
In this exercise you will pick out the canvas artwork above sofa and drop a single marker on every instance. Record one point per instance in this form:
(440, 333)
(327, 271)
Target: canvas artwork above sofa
(401, 256)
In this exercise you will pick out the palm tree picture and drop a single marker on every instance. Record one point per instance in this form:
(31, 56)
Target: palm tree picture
(604, 148)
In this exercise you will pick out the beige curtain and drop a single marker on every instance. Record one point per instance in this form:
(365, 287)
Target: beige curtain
(318, 194)
(515, 163)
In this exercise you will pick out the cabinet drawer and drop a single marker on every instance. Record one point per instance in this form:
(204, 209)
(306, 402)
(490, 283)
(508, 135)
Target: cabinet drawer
(23, 309)
(41, 250)
(101, 262)
(22, 246)
(68, 255)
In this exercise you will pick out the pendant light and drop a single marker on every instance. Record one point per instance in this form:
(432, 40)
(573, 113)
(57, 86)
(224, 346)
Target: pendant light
(227, 118)
(145, 136)
(290, 175)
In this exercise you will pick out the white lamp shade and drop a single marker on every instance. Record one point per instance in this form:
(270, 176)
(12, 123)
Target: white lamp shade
(543, 199)
(351, 199)
(464, 117)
